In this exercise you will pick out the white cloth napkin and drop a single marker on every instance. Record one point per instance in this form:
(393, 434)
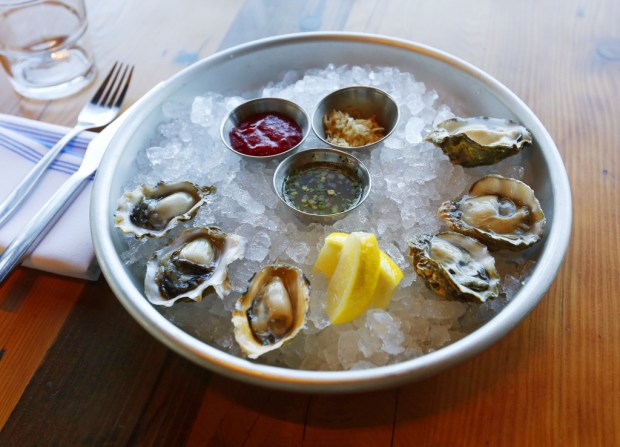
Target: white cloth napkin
(67, 248)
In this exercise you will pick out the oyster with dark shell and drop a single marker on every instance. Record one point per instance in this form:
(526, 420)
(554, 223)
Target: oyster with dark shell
(455, 266)
(272, 311)
(479, 141)
(191, 265)
(501, 212)
(152, 211)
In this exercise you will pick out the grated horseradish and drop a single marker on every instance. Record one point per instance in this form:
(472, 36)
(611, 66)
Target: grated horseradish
(344, 130)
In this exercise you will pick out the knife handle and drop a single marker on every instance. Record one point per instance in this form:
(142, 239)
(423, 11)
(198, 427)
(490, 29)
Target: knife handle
(31, 234)
(20, 193)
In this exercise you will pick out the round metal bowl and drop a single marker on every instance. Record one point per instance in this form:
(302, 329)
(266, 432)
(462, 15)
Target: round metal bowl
(359, 102)
(265, 105)
(309, 157)
(255, 64)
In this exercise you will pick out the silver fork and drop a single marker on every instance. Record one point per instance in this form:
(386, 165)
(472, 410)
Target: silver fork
(100, 111)
(32, 232)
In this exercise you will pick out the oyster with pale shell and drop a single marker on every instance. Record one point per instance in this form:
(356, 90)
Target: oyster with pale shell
(501, 212)
(152, 211)
(191, 265)
(272, 311)
(479, 141)
(455, 266)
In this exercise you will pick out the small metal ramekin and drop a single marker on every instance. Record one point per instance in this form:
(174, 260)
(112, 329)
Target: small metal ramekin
(320, 155)
(359, 102)
(257, 106)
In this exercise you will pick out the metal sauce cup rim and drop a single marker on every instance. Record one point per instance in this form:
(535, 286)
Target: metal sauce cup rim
(335, 156)
(230, 118)
(320, 133)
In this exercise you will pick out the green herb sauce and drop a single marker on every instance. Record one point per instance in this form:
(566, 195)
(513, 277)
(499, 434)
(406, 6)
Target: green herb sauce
(322, 188)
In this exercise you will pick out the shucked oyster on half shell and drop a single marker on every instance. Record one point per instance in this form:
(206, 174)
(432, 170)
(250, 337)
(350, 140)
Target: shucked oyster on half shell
(272, 311)
(152, 211)
(500, 212)
(479, 141)
(194, 262)
(455, 266)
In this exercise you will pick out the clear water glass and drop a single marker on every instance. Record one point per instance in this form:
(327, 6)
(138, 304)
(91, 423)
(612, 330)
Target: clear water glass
(44, 47)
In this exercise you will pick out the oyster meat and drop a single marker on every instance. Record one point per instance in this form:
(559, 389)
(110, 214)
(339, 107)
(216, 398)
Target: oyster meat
(272, 311)
(500, 212)
(479, 141)
(194, 262)
(455, 266)
(152, 211)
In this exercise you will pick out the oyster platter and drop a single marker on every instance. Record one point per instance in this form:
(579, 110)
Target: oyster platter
(446, 238)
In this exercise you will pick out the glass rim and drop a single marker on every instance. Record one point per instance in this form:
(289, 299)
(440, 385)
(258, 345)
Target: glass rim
(9, 3)
(15, 2)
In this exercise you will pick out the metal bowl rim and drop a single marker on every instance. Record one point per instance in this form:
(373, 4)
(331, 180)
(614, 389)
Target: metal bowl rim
(556, 245)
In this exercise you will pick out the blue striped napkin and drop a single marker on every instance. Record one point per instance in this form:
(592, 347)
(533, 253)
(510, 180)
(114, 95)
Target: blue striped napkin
(67, 248)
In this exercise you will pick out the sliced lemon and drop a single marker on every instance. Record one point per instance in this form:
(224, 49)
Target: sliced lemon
(330, 252)
(389, 277)
(389, 273)
(354, 280)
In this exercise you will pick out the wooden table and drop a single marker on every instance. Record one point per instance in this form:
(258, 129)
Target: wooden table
(75, 369)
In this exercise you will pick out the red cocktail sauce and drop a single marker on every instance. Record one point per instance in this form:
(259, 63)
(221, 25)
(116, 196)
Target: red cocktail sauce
(265, 134)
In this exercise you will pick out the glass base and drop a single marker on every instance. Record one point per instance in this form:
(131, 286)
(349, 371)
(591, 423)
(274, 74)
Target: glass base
(61, 90)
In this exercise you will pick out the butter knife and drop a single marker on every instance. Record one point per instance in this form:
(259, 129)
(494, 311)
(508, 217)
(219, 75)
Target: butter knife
(34, 230)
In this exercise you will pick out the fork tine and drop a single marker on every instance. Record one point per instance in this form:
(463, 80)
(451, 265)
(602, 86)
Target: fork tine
(110, 86)
(102, 109)
(104, 84)
(121, 96)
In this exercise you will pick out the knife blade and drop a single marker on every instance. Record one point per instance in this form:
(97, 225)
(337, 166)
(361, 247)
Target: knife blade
(34, 230)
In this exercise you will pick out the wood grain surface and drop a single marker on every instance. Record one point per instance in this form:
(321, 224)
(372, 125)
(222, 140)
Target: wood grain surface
(76, 369)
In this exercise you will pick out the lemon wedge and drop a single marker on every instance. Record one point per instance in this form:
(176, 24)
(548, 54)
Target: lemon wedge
(390, 274)
(389, 277)
(354, 280)
(330, 252)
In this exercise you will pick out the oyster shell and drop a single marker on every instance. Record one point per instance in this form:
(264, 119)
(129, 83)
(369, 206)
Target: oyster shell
(273, 309)
(152, 211)
(190, 264)
(455, 266)
(500, 212)
(479, 141)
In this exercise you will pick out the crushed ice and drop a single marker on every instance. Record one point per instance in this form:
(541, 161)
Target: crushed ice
(411, 178)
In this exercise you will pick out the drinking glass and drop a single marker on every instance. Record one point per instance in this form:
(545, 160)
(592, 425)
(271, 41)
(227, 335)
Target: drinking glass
(44, 47)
